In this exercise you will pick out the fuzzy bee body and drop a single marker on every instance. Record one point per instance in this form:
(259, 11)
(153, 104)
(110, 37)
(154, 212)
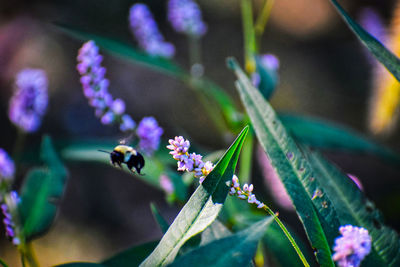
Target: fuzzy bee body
(129, 156)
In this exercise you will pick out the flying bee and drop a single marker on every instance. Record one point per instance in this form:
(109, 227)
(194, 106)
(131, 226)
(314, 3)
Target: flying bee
(128, 155)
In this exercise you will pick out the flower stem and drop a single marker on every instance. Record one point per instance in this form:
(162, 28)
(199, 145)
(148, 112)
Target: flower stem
(263, 17)
(288, 235)
(250, 47)
(28, 255)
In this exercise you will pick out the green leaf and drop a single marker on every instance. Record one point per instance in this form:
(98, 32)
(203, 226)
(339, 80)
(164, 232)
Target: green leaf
(292, 168)
(352, 207)
(201, 209)
(234, 250)
(41, 193)
(126, 51)
(131, 257)
(215, 231)
(162, 223)
(387, 58)
(327, 135)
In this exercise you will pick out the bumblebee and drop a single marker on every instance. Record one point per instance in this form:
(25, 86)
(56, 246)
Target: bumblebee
(128, 155)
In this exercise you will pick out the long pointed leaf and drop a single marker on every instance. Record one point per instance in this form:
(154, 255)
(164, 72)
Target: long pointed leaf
(387, 58)
(126, 51)
(327, 135)
(202, 208)
(235, 250)
(292, 168)
(352, 207)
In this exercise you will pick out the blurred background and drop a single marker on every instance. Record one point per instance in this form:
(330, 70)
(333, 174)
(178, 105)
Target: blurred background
(324, 72)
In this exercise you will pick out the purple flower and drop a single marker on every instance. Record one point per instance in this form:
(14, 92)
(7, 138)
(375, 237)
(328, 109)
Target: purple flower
(185, 17)
(373, 23)
(9, 209)
(352, 246)
(30, 99)
(189, 162)
(145, 30)
(245, 193)
(179, 147)
(7, 167)
(166, 184)
(95, 88)
(149, 134)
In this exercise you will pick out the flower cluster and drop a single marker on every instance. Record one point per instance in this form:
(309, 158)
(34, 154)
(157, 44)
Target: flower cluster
(29, 101)
(352, 246)
(146, 32)
(149, 134)
(185, 17)
(95, 88)
(246, 193)
(9, 209)
(189, 162)
(7, 167)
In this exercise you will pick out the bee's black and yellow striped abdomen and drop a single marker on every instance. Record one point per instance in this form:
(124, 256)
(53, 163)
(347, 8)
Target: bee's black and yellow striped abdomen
(129, 156)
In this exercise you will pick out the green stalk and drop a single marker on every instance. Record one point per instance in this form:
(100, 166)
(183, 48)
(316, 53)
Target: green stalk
(196, 66)
(28, 255)
(249, 36)
(263, 17)
(288, 235)
(246, 158)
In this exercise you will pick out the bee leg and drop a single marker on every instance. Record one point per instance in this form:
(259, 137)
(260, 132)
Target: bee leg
(119, 164)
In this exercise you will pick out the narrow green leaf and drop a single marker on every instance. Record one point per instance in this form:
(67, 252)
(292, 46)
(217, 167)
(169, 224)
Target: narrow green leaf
(387, 58)
(292, 168)
(41, 193)
(352, 207)
(126, 51)
(327, 135)
(162, 223)
(214, 232)
(201, 209)
(131, 257)
(234, 250)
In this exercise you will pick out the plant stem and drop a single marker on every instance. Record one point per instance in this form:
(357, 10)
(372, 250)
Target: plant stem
(19, 144)
(288, 235)
(196, 66)
(263, 17)
(249, 37)
(246, 158)
(28, 255)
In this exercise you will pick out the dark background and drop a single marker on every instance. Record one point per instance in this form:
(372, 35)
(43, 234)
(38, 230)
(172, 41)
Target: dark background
(323, 73)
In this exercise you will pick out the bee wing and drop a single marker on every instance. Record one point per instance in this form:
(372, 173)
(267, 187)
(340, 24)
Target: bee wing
(126, 140)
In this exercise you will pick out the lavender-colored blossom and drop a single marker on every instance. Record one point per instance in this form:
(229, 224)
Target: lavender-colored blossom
(189, 162)
(9, 210)
(352, 246)
(179, 147)
(373, 23)
(7, 167)
(269, 62)
(245, 193)
(146, 32)
(166, 184)
(185, 17)
(149, 133)
(29, 101)
(95, 88)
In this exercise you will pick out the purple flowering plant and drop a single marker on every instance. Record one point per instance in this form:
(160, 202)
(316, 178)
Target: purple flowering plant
(225, 217)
